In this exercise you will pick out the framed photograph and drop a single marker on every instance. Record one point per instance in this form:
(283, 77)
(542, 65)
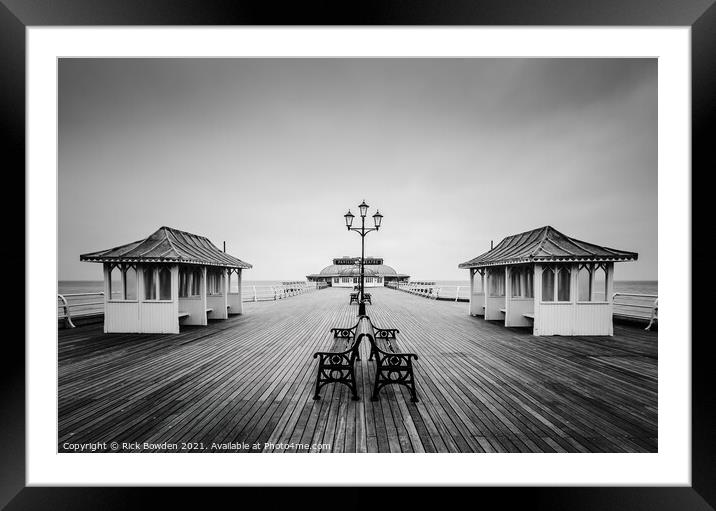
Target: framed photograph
(200, 312)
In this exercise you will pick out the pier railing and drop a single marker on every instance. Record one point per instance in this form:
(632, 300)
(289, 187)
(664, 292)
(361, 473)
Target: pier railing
(636, 306)
(629, 306)
(73, 307)
(266, 293)
(433, 291)
(79, 306)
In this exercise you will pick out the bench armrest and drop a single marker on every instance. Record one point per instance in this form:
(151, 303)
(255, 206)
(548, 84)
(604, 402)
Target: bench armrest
(335, 357)
(344, 332)
(385, 333)
(383, 355)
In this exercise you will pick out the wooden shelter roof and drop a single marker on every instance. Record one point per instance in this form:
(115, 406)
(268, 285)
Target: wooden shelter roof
(168, 245)
(545, 244)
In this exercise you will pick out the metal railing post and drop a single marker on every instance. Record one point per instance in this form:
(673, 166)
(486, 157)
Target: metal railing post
(653, 314)
(68, 317)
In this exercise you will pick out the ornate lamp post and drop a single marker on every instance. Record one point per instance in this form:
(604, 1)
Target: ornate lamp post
(362, 230)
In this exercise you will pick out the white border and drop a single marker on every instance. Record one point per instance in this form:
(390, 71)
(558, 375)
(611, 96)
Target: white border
(671, 466)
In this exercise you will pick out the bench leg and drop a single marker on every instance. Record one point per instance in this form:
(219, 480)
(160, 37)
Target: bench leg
(353, 387)
(383, 381)
(317, 395)
(413, 393)
(410, 386)
(349, 381)
(376, 389)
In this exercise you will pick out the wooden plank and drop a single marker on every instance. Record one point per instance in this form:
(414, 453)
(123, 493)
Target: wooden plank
(249, 379)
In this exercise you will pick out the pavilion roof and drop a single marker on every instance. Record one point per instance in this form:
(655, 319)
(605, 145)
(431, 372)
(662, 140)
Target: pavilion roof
(168, 245)
(545, 244)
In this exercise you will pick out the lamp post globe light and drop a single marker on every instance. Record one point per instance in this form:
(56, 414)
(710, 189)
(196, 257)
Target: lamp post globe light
(362, 230)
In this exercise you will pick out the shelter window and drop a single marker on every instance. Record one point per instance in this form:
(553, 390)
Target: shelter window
(529, 283)
(232, 284)
(478, 282)
(196, 282)
(584, 282)
(213, 282)
(184, 283)
(189, 282)
(355, 280)
(548, 285)
(556, 282)
(599, 284)
(122, 282)
(335, 280)
(563, 284)
(210, 282)
(115, 283)
(129, 282)
(515, 281)
(157, 283)
(497, 283)
(165, 284)
(150, 283)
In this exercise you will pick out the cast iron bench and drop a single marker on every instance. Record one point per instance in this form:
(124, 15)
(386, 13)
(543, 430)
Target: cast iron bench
(338, 366)
(391, 367)
(354, 298)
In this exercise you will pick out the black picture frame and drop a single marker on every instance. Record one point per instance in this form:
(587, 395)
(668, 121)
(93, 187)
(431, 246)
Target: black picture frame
(16, 15)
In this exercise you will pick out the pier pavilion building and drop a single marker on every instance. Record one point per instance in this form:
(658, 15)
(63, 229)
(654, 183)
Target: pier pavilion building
(345, 272)
(542, 278)
(171, 276)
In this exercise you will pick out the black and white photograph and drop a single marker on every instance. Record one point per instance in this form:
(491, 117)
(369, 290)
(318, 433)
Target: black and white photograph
(357, 255)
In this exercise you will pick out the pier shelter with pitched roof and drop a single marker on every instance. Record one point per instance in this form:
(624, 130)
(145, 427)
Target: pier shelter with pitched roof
(545, 279)
(171, 276)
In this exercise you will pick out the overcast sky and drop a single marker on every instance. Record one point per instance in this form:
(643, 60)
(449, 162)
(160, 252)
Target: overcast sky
(268, 154)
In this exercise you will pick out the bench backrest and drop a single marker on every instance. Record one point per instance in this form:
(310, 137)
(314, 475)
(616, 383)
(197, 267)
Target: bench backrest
(364, 328)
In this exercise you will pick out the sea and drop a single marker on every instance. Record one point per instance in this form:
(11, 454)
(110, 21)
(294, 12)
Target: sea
(647, 287)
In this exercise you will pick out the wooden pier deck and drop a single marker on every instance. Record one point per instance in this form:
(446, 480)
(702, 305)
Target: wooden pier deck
(249, 380)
